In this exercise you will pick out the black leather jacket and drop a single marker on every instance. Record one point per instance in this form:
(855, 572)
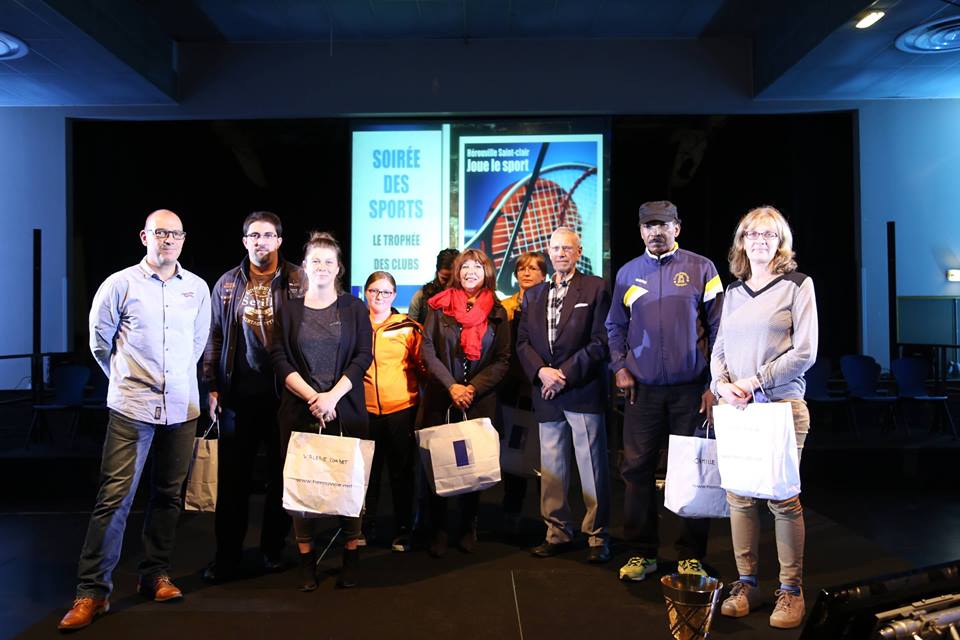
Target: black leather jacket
(444, 360)
(289, 282)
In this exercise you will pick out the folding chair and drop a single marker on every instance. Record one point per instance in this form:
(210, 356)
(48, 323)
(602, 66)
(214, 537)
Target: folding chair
(911, 377)
(68, 381)
(862, 374)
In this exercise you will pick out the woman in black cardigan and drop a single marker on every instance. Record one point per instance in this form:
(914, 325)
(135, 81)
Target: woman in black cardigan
(466, 350)
(320, 352)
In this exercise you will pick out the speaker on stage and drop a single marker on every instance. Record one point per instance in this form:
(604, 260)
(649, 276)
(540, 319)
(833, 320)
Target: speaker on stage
(888, 607)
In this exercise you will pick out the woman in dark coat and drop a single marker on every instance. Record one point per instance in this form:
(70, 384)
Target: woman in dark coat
(320, 352)
(530, 270)
(466, 350)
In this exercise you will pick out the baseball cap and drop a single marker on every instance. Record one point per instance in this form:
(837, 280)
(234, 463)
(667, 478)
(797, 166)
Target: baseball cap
(661, 210)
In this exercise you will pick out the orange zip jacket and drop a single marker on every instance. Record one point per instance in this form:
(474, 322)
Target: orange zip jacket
(391, 383)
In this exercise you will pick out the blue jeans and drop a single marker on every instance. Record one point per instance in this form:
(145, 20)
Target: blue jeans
(125, 450)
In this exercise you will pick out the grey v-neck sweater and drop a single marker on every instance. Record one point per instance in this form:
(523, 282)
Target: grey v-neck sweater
(771, 333)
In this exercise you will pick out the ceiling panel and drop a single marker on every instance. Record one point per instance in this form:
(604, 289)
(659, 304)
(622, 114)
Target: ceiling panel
(298, 20)
(27, 23)
(839, 63)
(859, 64)
(65, 65)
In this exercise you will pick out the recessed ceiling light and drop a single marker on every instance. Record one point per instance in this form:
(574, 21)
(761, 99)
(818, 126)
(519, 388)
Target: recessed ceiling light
(870, 19)
(12, 47)
(937, 36)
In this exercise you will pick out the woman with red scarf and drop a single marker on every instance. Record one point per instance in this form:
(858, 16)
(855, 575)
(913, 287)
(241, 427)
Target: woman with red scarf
(466, 350)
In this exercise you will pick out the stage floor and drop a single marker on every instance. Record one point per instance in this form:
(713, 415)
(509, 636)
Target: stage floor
(499, 592)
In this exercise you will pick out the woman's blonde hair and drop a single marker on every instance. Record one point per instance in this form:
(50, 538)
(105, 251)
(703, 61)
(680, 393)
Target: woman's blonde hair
(782, 261)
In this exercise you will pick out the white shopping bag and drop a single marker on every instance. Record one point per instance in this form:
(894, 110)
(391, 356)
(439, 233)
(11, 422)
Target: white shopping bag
(693, 479)
(520, 448)
(326, 475)
(461, 457)
(757, 450)
(201, 492)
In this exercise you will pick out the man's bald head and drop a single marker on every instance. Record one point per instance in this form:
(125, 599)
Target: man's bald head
(164, 249)
(564, 251)
(163, 219)
(565, 234)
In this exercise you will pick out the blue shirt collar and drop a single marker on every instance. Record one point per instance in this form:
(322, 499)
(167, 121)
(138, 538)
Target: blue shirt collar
(150, 273)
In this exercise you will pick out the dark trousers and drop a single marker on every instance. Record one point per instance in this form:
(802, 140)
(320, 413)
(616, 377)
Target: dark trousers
(395, 448)
(243, 426)
(514, 491)
(125, 449)
(657, 412)
(514, 487)
(305, 529)
(469, 505)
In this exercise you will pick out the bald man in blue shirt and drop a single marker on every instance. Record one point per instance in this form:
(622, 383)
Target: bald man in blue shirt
(148, 327)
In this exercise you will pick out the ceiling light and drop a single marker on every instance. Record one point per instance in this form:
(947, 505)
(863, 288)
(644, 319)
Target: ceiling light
(953, 275)
(12, 47)
(936, 36)
(870, 19)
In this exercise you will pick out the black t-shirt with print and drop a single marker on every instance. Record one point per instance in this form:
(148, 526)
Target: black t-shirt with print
(252, 373)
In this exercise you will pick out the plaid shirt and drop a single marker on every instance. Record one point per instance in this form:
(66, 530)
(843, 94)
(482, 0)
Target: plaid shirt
(558, 291)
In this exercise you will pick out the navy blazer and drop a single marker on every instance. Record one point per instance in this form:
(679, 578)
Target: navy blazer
(353, 359)
(580, 350)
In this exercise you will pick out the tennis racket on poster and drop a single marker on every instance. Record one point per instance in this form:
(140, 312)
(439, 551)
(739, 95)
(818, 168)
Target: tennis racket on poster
(523, 215)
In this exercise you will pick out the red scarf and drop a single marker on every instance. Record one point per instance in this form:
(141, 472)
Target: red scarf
(473, 323)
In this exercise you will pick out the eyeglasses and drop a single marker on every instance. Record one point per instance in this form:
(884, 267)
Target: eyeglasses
(266, 236)
(756, 235)
(564, 249)
(163, 234)
(379, 293)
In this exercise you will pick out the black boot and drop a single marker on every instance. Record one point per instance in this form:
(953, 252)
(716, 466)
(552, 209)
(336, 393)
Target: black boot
(308, 571)
(468, 536)
(348, 573)
(438, 546)
(468, 541)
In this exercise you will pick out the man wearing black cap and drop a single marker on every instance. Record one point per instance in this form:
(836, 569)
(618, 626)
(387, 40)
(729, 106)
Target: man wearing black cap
(662, 323)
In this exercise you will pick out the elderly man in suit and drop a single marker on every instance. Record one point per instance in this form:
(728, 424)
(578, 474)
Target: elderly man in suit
(562, 345)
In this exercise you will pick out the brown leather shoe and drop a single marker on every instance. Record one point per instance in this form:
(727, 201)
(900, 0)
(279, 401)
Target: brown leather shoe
(160, 588)
(83, 612)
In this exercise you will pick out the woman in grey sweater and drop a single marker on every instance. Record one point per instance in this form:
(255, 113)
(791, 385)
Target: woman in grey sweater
(767, 340)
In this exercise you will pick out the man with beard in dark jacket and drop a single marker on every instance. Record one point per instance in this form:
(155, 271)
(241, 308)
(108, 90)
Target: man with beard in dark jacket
(236, 366)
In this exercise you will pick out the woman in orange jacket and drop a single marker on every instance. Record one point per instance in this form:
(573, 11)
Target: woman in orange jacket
(391, 386)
